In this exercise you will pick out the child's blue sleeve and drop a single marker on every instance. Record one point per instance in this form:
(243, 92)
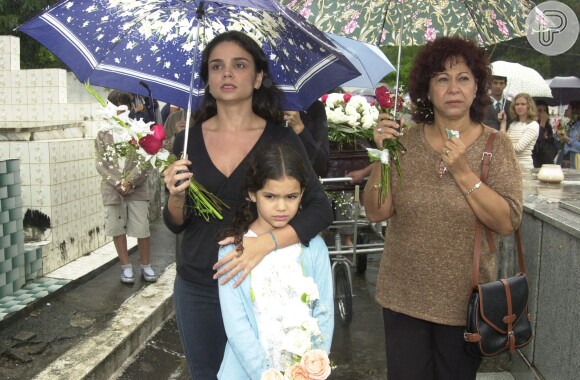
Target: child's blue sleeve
(324, 309)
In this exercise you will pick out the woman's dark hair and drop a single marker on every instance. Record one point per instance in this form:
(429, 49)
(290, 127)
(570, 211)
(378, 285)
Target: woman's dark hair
(431, 60)
(271, 162)
(267, 100)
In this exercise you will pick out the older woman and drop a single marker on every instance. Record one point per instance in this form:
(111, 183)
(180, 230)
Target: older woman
(524, 130)
(424, 277)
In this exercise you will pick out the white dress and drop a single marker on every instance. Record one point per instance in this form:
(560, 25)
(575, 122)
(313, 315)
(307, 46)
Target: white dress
(524, 138)
(285, 323)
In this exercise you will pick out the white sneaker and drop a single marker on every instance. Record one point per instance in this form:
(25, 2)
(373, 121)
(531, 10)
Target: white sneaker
(127, 276)
(148, 274)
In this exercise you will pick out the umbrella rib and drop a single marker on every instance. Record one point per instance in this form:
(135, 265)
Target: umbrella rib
(474, 20)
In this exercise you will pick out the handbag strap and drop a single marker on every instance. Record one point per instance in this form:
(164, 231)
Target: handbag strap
(485, 163)
(486, 160)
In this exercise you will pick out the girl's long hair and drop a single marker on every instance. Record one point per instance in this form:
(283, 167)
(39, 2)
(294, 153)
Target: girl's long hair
(271, 162)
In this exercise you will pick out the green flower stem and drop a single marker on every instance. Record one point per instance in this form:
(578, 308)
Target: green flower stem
(205, 204)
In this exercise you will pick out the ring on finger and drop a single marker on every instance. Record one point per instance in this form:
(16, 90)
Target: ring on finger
(446, 152)
(380, 130)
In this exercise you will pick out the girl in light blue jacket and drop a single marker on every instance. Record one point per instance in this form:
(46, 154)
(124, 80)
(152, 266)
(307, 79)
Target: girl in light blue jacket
(285, 306)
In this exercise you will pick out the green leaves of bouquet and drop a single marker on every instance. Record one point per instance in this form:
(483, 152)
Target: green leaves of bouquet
(146, 140)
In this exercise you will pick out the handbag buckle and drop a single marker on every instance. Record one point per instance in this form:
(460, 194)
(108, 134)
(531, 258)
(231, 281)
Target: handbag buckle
(486, 153)
(471, 337)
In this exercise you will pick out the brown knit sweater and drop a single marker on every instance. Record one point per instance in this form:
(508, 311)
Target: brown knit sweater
(425, 271)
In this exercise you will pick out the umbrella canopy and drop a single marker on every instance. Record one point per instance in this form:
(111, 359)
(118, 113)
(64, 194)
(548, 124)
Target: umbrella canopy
(379, 22)
(416, 22)
(368, 59)
(118, 44)
(521, 79)
(564, 90)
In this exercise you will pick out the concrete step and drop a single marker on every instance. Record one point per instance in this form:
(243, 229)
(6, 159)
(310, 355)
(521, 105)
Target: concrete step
(101, 355)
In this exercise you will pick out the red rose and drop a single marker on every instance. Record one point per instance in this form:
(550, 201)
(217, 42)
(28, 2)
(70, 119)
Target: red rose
(384, 97)
(150, 144)
(382, 90)
(323, 99)
(385, 101)
(347, 97)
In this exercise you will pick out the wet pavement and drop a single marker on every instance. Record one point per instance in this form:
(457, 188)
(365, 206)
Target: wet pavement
(357, 349)
(37, 335)
(52, 332)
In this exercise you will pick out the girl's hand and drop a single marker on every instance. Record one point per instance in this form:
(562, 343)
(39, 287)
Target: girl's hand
(177, 171)
(386, 129)
(234, 263)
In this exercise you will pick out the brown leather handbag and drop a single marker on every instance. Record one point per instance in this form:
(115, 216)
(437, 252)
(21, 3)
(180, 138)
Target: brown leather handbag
(497, 312)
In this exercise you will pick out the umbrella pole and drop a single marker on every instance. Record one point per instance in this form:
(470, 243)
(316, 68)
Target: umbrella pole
(191, 83)
(399, 60)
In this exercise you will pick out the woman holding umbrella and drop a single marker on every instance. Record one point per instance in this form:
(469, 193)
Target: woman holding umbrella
(424, 280)
(240, 113)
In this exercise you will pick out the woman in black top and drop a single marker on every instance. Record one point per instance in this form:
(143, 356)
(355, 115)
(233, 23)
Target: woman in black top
(240, 112)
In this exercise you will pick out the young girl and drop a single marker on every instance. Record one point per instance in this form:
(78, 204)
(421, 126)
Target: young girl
(285, 307)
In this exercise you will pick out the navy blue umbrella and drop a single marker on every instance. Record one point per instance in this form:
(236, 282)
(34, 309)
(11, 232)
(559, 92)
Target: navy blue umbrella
(121, 43)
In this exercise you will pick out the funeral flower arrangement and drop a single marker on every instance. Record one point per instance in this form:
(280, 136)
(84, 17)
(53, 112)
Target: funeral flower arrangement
(350, 118)
(134, 137)
(291, 336)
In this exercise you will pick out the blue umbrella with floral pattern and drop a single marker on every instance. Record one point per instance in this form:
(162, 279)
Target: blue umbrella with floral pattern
(120, 43)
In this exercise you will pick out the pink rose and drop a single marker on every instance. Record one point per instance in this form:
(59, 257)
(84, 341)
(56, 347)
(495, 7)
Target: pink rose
(295, 372)
(272, 374)
(158, 131)
(346, 97)
(152, 143)
(323, 99)
(316, 364)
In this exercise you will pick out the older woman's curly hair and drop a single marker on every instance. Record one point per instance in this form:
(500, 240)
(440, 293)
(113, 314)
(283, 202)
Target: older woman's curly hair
(431, 60)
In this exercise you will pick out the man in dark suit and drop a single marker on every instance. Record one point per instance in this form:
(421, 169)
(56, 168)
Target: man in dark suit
(311, 126)
(499, 107)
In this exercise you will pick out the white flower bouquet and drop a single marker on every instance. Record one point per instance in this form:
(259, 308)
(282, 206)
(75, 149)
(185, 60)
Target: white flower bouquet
(132, 136)
(291, 335)
(350, 118)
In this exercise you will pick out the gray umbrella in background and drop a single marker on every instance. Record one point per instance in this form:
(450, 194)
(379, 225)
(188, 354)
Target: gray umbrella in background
(564, 90)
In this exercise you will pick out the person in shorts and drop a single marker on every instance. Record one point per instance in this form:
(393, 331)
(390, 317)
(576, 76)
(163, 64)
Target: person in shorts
(125, 197)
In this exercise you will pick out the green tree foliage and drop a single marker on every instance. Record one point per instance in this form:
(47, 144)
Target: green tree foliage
(32, 54)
